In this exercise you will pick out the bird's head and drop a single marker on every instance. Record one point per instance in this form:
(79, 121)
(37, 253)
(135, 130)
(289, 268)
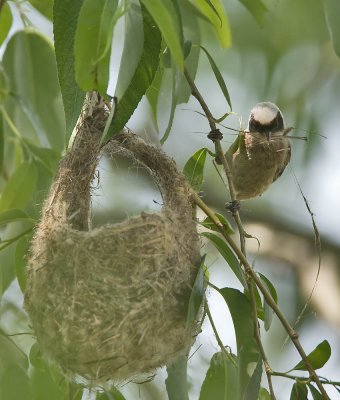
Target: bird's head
(266, 118)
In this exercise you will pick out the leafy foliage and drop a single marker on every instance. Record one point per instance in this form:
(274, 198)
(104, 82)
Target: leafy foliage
(318, 357)
(65, 18)
(42, 90)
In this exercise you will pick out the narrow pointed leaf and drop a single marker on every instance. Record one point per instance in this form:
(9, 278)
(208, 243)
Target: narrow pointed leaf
(264, 394)
(197, 294)
(152, 95)
(35, 106)
(141, 79)
(65, 18)
(257, 9)
(299, 392)
(133, 39)
(332, 12)
(218, 77)
(166, 17)
(227, 254)
(6, 20)
(214, 11)
(315, 393)
(174, 102)
(318, 357)
(176, 382)
(220, 382)
(194, 169)
(22, 181)
(14, 215)
(92, 45)
(249, 359)
(208, 223)
(268, 311)
(45, 7)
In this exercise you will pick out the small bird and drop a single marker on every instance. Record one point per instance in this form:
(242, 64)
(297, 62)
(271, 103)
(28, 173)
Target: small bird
(260, 153)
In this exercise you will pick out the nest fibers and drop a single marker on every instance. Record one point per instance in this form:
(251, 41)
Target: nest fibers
(111, 302)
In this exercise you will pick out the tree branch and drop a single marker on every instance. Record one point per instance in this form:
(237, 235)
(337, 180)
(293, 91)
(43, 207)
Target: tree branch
(240, 252)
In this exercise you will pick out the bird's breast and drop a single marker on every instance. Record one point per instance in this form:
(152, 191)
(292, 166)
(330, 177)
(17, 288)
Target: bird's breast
(255, 166)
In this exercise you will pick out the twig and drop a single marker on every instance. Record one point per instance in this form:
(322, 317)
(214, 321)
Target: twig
(266, 294)
(239, 251)
(219, 341)
(221, 157)
(301, 378)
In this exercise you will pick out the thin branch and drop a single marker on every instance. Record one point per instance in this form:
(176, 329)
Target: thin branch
(221, 157)
(240, 251)
(266, 294)
(219, 341)
(301, 378)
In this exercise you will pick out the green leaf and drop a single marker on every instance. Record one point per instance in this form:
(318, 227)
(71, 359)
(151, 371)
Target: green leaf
(299, 392)
(166, 17)
(65, 18)
(35, 357)
(20, 261)
(14, 215)
(209, 224)
(254, 384)
(46, 386)
(332, 12)
(257, 9)
(7, 262)
(214, 11)
(315, 393)
(194, 168)
(35, 106)
(20, 187)
(2, 143)
(45, 7)
(112, 394)
(6, 20)
(220, 382)
(227, 254)
(218, 77)
(133, 47)
(268, 311)
(141, 80)
(264, 394)
(174, 102)
(249, 359)
(153, 93)
(92, 44)
(318, 357)
(10, 354)
(197, 293)
(14, 384)
(176, 382)
(47, 157)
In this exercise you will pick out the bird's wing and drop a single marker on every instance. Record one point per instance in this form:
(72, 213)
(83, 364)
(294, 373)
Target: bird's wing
(280, 170)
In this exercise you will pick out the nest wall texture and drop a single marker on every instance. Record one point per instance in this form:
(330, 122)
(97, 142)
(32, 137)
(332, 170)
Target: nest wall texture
(111, 302)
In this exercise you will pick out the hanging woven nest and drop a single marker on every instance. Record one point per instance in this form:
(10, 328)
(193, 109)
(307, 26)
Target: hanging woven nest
(112, 302)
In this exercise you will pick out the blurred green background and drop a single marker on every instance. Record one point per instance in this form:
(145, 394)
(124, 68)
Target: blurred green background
(286, 57)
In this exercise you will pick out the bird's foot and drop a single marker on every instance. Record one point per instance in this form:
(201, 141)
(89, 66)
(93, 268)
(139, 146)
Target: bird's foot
(233, 206)
(214, 135)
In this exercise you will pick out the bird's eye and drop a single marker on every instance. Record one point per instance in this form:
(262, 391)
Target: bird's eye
(279, 121)
(254, 125)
